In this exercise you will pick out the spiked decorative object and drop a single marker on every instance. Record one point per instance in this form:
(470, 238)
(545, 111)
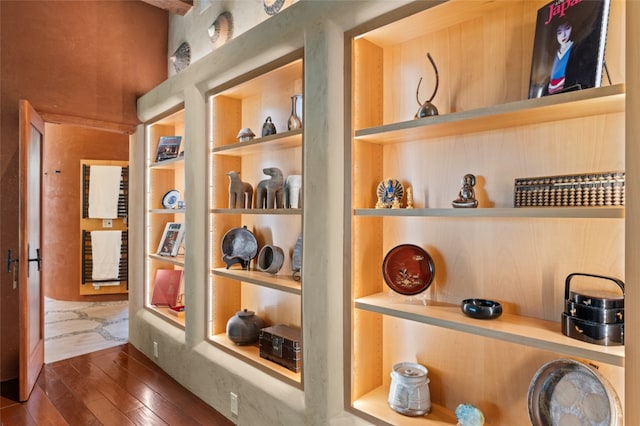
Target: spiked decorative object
(221, 30)
(181, 57)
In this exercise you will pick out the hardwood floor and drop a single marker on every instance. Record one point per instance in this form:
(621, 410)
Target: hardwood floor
(116, 386)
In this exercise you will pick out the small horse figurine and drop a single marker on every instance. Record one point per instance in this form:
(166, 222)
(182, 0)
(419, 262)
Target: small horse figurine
(269, 192)
(240, 193)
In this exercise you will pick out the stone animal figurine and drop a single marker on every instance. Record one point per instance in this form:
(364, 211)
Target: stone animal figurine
(240, 193)
(269, 192)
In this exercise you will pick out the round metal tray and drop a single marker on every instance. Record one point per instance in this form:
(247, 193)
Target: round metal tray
(568, 392)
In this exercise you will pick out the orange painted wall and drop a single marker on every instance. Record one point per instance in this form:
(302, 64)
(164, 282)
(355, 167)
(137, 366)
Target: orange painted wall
(89, 59)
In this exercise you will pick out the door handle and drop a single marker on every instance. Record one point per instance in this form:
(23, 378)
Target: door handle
(37, 258)
(10, 261)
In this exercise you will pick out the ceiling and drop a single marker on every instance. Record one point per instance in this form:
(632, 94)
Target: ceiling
(179, 7)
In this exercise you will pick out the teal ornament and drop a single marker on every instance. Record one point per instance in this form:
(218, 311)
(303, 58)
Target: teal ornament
(469, 415)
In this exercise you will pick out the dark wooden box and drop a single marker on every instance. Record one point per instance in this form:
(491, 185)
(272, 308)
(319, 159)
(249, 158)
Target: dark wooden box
(281, 344)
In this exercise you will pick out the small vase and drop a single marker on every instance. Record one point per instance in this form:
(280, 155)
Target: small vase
(295, 122)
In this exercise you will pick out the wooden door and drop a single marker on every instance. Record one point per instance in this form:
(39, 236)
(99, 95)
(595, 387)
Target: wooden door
(30, 289)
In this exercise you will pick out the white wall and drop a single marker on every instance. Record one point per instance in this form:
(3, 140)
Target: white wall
(192, 27)
(318, 27)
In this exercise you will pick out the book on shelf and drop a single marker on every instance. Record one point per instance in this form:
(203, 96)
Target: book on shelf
(168, 147)
(171, 239)
(166, 287)
(177, 311)
(569, 44)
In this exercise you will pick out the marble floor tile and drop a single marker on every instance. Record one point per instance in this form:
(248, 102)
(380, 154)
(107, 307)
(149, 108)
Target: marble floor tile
(78, 328)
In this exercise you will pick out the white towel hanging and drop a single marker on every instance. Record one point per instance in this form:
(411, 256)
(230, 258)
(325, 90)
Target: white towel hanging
(105, 250)
(104, 190)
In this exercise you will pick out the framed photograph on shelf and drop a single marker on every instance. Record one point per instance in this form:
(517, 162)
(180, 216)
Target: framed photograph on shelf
(168, 148)
(171, 239)
(568, 49)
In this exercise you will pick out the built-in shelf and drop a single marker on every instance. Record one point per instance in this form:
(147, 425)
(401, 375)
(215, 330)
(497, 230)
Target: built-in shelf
(247, 101)
(375, 404)
(546, 109)
(527, 331)
(168, 164)
(160, 178)
(280, 282)
(520, 212)
(163, 312)
(168, 211)
(279, 141)
(173, 260)
(286, 211)
(251, 354)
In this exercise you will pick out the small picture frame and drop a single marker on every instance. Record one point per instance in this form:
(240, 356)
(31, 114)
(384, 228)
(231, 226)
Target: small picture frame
(168, 148)
(171, 239)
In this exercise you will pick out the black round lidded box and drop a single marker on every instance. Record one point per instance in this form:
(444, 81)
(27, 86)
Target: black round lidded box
(595, 316)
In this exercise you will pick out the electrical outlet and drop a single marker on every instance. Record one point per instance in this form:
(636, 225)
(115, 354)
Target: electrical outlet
(234, 403)
(155, 349)
(107, 223)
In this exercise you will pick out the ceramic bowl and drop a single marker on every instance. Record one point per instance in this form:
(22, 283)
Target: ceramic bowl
(270, 259)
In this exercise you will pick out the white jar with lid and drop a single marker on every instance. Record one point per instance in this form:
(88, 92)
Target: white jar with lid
(409, 391)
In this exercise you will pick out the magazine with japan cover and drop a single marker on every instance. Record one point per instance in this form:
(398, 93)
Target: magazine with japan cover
(568, 49)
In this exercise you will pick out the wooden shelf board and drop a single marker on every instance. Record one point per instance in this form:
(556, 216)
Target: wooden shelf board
(527, 331)
(251, 354)
(583, 103)
(277, 282)
(375, 404)
(167, 211)
(259, 211)
(168, 164)
(163, 312)
(445, 15)
(279, 141)
(256, 81)
(173, 260)
(520, 212)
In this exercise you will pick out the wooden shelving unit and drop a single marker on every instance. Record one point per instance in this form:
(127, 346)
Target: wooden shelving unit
(162, 177)
(520, 212)
(517, 256)
(247, 102)
(584, 103)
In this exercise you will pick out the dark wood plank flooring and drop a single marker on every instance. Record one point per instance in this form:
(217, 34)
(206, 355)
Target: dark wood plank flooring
(117, 386)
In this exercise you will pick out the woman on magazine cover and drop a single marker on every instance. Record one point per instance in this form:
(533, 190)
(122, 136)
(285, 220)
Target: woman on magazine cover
(561, 58)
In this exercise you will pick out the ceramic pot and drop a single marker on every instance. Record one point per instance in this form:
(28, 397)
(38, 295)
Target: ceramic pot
(268, 128)
(270, 259)
(245, 134)
(295, 119)
(244, 327)
(409, 390)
